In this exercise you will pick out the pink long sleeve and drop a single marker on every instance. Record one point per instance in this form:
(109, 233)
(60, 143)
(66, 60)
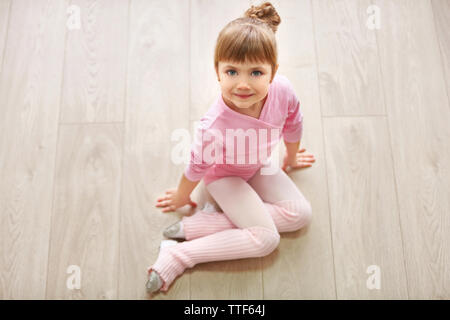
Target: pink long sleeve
(199, 163)
(293, 127)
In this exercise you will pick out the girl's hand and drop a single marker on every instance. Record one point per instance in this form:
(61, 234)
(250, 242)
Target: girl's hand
(298, 160)
(172, 201)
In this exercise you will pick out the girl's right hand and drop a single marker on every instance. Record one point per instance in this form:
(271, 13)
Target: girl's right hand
(172, 201)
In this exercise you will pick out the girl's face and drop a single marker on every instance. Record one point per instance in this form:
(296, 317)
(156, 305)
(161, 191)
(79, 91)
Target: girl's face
(244, 85)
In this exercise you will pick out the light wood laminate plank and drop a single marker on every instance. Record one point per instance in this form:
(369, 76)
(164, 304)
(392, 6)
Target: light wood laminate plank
(157, 105)
(349, 73)
(95, 63)
(365, 218)
(85, 217)
(30, 93)
(418, 116)
(441, 15)
(4, 18)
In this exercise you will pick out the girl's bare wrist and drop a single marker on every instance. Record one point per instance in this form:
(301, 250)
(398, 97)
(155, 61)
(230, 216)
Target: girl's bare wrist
(181, 197)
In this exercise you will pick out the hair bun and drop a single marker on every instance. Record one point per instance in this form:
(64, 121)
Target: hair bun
(265, 12)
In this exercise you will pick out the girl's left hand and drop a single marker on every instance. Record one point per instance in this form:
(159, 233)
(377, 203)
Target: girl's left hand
(298, 160)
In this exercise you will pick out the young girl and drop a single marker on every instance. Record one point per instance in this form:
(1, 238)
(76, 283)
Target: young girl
(257, 205)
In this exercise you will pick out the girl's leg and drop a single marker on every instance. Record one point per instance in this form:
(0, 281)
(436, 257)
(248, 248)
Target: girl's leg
(283, 200)
(255, 236)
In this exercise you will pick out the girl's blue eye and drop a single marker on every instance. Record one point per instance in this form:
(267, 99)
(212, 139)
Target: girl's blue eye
(260, 73)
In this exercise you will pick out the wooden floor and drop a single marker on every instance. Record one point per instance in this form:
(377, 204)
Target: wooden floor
(86, 121)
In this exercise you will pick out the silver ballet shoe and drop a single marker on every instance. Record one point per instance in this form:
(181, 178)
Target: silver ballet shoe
(172, 230)
(154, 282)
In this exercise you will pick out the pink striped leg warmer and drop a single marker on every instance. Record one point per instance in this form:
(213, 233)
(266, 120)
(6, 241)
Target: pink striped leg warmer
(225, 245)
(288, 215)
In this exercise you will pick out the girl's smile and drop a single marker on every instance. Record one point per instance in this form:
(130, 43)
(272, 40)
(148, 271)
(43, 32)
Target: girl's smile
(244, 96)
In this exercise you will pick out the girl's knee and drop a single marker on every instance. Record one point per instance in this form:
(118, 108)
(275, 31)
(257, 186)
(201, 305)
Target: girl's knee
(306, 211)
(300, 212)
(267, 240)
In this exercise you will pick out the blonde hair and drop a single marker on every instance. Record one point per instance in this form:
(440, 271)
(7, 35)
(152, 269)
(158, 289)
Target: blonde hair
(250, 38)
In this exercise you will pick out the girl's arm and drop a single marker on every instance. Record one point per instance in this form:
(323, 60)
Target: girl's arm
(176, 198)
(197, 166)
(185, 187)
(292, 134)
(291, 149)
(293, 125)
